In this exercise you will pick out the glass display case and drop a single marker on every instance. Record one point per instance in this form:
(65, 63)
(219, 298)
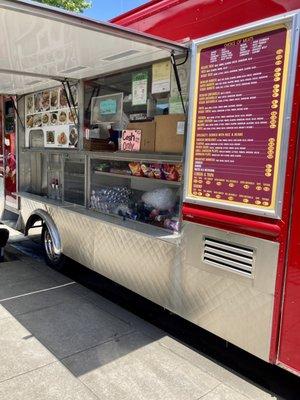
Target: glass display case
(55, 177)
(33, 173)
(139, 190)
(74, 179)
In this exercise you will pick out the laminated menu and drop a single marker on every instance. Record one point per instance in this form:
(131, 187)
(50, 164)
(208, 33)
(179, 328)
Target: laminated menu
(238, 118)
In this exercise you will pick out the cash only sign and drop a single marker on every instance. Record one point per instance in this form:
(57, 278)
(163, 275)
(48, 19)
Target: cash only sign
(237, 119)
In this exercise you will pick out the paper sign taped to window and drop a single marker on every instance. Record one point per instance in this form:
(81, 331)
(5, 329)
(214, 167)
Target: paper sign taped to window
(139, 88)
(180, 127)
(161, 77)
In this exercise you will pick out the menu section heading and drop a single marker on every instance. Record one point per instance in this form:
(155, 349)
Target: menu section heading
(238, 120)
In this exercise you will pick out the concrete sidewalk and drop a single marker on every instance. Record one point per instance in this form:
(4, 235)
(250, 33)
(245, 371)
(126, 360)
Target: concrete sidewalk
(61, 341)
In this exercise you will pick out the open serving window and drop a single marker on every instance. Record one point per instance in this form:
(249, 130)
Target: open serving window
(101, 115)
(41, 46)
(239, 123)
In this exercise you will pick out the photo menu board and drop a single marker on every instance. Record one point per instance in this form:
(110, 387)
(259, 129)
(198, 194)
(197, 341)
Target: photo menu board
(238, 117)
(48, 111)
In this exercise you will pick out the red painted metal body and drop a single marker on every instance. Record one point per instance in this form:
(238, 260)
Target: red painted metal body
(181, 19)
(190, 19)
(289, 345)
(269, 229)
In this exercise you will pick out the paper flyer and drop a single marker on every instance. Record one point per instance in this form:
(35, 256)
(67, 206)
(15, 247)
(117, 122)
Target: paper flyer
(139, 88)
(161, 77)
(183, 72)
(175, 105)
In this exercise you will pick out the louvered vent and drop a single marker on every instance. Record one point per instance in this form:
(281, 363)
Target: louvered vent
(124, 54)
(228, 255)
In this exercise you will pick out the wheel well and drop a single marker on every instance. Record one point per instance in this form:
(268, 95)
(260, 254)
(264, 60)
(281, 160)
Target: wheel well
(32, 220)
(47, 221)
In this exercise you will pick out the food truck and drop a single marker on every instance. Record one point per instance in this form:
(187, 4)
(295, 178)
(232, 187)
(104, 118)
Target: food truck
(168, 165)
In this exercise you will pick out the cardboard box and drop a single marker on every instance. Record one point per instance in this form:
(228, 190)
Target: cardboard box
(169, 133)
(148, 134)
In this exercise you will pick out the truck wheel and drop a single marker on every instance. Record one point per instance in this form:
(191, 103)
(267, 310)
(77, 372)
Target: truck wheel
(55, 261)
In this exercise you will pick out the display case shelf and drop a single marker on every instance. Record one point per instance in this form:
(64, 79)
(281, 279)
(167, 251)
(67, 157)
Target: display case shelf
(74, 174)
(114, 155)
(78, 191)
(140, 178)
(137, 156)
(50, 150)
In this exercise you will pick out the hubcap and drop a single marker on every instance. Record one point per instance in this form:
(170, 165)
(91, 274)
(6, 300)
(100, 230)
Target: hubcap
(49, 247)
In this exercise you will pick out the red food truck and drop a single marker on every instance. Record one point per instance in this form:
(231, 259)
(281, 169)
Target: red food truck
(191, 20)
(161, 151)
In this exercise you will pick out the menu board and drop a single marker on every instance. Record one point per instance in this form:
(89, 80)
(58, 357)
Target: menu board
(238, 120)
(48, 111)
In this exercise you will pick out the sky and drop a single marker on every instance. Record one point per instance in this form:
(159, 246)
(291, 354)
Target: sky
(104, 10)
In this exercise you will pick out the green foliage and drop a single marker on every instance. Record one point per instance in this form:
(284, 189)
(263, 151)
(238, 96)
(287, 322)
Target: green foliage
(70, 5)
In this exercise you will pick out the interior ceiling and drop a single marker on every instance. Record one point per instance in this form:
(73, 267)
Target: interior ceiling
(33, 42)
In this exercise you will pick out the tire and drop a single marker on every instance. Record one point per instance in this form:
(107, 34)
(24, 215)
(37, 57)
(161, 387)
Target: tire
(53, 260)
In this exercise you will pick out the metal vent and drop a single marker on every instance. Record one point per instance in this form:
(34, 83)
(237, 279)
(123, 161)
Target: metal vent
(73, 69)
(121, 55)
(228, 255)
(33, 82)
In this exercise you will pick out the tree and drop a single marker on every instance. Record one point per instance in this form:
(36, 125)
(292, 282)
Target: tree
(70, 5)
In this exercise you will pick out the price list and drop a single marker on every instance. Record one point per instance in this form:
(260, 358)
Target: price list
(237, 128)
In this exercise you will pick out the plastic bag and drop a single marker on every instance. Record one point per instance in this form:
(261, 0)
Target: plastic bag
(160, 199)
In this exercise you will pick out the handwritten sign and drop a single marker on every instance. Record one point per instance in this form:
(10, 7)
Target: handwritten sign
(131, 140)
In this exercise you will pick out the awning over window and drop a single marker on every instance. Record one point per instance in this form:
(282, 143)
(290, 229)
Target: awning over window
(40, 45)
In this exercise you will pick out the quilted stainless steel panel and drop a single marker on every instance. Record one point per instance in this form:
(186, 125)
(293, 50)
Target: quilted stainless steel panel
(225, 307)
(265, 255)
(27, 206)
(77, 234)
(136, 261)
(235, 307)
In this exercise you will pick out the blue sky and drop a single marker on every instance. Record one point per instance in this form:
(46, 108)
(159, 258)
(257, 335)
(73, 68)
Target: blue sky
(106, 9)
